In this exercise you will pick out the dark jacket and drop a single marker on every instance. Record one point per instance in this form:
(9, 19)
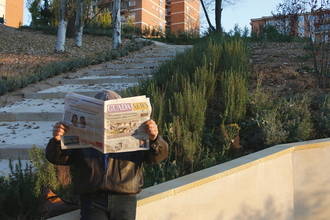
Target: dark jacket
(122, 173)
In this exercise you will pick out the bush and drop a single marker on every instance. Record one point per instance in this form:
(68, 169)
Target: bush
(262, 127)
(18, 199)
(187, 95)
(180, 38)
(321, 116)
(295, 115)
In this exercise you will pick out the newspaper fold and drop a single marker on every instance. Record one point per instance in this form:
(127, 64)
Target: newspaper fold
(108, 126)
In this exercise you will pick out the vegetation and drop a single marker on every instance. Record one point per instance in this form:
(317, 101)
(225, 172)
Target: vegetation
(18, 199)
(195, 97)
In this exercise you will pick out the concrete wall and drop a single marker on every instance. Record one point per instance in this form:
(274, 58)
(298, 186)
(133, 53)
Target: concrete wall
(283, 182)
(312, 183)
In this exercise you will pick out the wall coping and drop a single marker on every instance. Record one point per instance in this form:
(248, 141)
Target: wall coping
(190, 181)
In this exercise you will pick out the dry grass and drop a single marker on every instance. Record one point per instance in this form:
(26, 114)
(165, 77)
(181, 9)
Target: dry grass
(23, 50)
(281, 66)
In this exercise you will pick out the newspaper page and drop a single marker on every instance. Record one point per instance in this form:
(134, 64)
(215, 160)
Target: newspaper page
(123, 124)
(108, 126)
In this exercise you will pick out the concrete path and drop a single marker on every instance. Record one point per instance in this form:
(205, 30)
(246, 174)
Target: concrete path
(29, 119)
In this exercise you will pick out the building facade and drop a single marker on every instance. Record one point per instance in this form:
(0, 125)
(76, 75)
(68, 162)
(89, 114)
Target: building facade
(12, 12)
(172, 15)
(316, 25)
(183, 16)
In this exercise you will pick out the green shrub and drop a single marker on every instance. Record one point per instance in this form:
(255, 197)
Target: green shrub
(296, 118)
(18, 199)
(188, 96)
(180, 38)
(322, 117)
(262, 126)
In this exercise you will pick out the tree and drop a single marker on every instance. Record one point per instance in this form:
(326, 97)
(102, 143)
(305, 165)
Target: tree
(287, 14)
(218, 8)
(314, 13)
(218, 15)
(207, 16)
(116, 43)
(61, 31)
(79, 22)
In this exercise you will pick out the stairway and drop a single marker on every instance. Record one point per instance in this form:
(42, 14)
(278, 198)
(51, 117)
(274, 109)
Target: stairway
(29, 121)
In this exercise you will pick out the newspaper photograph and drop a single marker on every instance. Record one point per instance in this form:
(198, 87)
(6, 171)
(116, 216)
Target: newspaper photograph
(108, 126)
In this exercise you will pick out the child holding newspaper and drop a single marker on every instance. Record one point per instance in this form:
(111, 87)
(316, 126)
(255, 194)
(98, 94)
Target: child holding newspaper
(107, 183)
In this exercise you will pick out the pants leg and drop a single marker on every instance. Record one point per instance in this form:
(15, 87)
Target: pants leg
(122, 207)
(89, 212)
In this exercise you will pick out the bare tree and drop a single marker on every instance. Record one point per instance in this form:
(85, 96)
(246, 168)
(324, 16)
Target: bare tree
(217, 6)
(207, 16)
(287, 14)
(317, 22)
(314, 13)
(218, 15)
(61, 31)
(116, 43)
(79, 22)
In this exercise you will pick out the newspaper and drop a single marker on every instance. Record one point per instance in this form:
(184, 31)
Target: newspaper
(109, 126)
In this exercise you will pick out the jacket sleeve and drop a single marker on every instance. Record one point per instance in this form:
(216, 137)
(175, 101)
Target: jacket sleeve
(56, 155)
(158, 151)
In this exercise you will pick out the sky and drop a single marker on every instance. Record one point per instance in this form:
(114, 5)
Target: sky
(239, 13)
(242, 12)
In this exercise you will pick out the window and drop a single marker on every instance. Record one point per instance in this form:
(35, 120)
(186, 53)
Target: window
(132, 3)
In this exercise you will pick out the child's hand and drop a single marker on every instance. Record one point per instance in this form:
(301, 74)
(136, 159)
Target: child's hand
(151, 129)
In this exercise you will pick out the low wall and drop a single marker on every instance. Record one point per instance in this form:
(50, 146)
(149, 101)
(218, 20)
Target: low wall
(286, 182)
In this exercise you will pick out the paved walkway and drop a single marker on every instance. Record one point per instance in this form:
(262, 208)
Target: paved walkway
(28, 121)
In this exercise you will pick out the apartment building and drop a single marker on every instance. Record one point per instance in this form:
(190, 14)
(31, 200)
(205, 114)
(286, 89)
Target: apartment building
(162, 15)
(11, 11)
(316, 25)
(183, 15)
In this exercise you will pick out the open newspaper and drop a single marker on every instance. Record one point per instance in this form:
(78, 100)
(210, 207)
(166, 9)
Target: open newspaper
(108, 126)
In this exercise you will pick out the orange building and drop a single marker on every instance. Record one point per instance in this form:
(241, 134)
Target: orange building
(315, 25)
(175, 15)
(12, 12)
(183, 15)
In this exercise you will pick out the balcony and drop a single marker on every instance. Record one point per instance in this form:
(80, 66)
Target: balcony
(284, 182)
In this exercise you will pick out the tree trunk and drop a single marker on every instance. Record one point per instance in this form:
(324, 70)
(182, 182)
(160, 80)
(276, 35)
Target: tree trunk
(61, 31)
(116, 24)
(218, 15)
(79, 23)
(207, 16)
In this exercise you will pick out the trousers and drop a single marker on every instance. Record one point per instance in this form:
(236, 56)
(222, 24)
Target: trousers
(107, 206)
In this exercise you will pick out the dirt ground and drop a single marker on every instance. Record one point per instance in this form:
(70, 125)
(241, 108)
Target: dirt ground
(284, 68)
(22, 50)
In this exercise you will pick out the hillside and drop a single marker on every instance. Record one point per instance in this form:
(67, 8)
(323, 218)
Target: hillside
(284, 68)
(23, 50)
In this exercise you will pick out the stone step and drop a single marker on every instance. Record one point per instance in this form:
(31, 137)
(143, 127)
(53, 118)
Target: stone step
(121, 65)
(16, 138)
(84, 89)
(30, 116)
(102, 79)
(33, 110)
(109, 71)
(4, 164)
(147, 60)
